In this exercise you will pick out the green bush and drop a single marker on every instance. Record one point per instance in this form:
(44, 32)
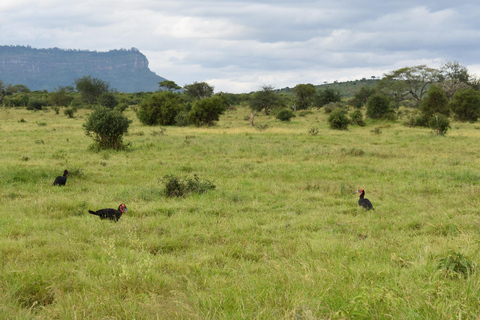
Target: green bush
(180, 187)
(108, 100)
(207, 111)
(161, 109)
(285, 115)
(36, 104)
(465, 105)
(436, 101)
(338, 119)
(380, 107)
(69, 112)
(108, 127)
(357, 118)
(439, 123)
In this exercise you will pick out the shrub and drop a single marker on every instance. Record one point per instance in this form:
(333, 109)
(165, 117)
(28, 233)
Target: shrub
(329, 107)
(207, 111)
(357, 118)
(35, 104)
(121, 107)
(285, 115)
(108, 100)
(180, 187)
(313, 131)
(455, 264)
(108, 127)
(160, 109)
(69, 112)
(439, 123)
(181, 119)
(380, 107)
(466, 104)
(338, 119)
(436, 101)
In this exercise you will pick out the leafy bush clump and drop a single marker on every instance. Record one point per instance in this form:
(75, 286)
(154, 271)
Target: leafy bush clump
(357, 118)
(70, 112)
(439, 123)
(207, 111)
(108, 127)
(161, 109)
(338, 119)
(285, 115)
(180, 187)
(455, 264)
(380, 107)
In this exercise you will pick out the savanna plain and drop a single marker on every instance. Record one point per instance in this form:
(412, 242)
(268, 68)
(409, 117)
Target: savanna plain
(280, 237)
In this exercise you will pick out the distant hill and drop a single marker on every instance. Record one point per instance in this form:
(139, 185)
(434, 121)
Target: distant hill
(346, 89)
(46, 69)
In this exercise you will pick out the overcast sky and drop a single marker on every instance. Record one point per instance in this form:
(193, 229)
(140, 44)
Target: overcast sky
(238, 46)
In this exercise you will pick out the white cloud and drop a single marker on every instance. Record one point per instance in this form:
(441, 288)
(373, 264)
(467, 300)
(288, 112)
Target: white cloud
(240, 45)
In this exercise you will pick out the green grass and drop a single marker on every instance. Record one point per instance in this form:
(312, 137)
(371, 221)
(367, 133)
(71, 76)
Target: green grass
(280, 237)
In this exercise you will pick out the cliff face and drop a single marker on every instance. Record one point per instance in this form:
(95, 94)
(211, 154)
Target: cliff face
(47, 69)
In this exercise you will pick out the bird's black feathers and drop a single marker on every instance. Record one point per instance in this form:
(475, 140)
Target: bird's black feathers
(111, 214)
(365, 203)
(61, 180)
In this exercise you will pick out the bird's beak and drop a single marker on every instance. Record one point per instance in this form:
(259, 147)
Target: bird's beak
(358, 191)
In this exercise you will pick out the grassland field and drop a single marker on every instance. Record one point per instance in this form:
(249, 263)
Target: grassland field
(280, 237)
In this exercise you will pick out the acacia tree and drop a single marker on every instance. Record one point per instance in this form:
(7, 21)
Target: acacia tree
(265, 99)
(91, 88)
(304, 95)
(198, 90)
(168, 85)
(409, 81)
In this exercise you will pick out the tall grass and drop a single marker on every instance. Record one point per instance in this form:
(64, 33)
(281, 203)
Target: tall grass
(280, 237)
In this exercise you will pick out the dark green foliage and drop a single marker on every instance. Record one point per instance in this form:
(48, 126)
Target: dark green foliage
(439, 123)
(91, 88)
(36, 104)
(456, 265)
(70, 112)
(266, 99)
(181, 119)
(108, 127)
(326, 96)
(61, 96)
(466, 105)
(338, 119)
(207, 111)
(304, 95)
(357, 118)
(161, 109)
(380, 107)
(121, 107)
(108, 99)
(168, 85)
(436, 101)
(361, 97)
(285, 115)
(198, 90)
(16, 100)
(180, 187)
(329, 107)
